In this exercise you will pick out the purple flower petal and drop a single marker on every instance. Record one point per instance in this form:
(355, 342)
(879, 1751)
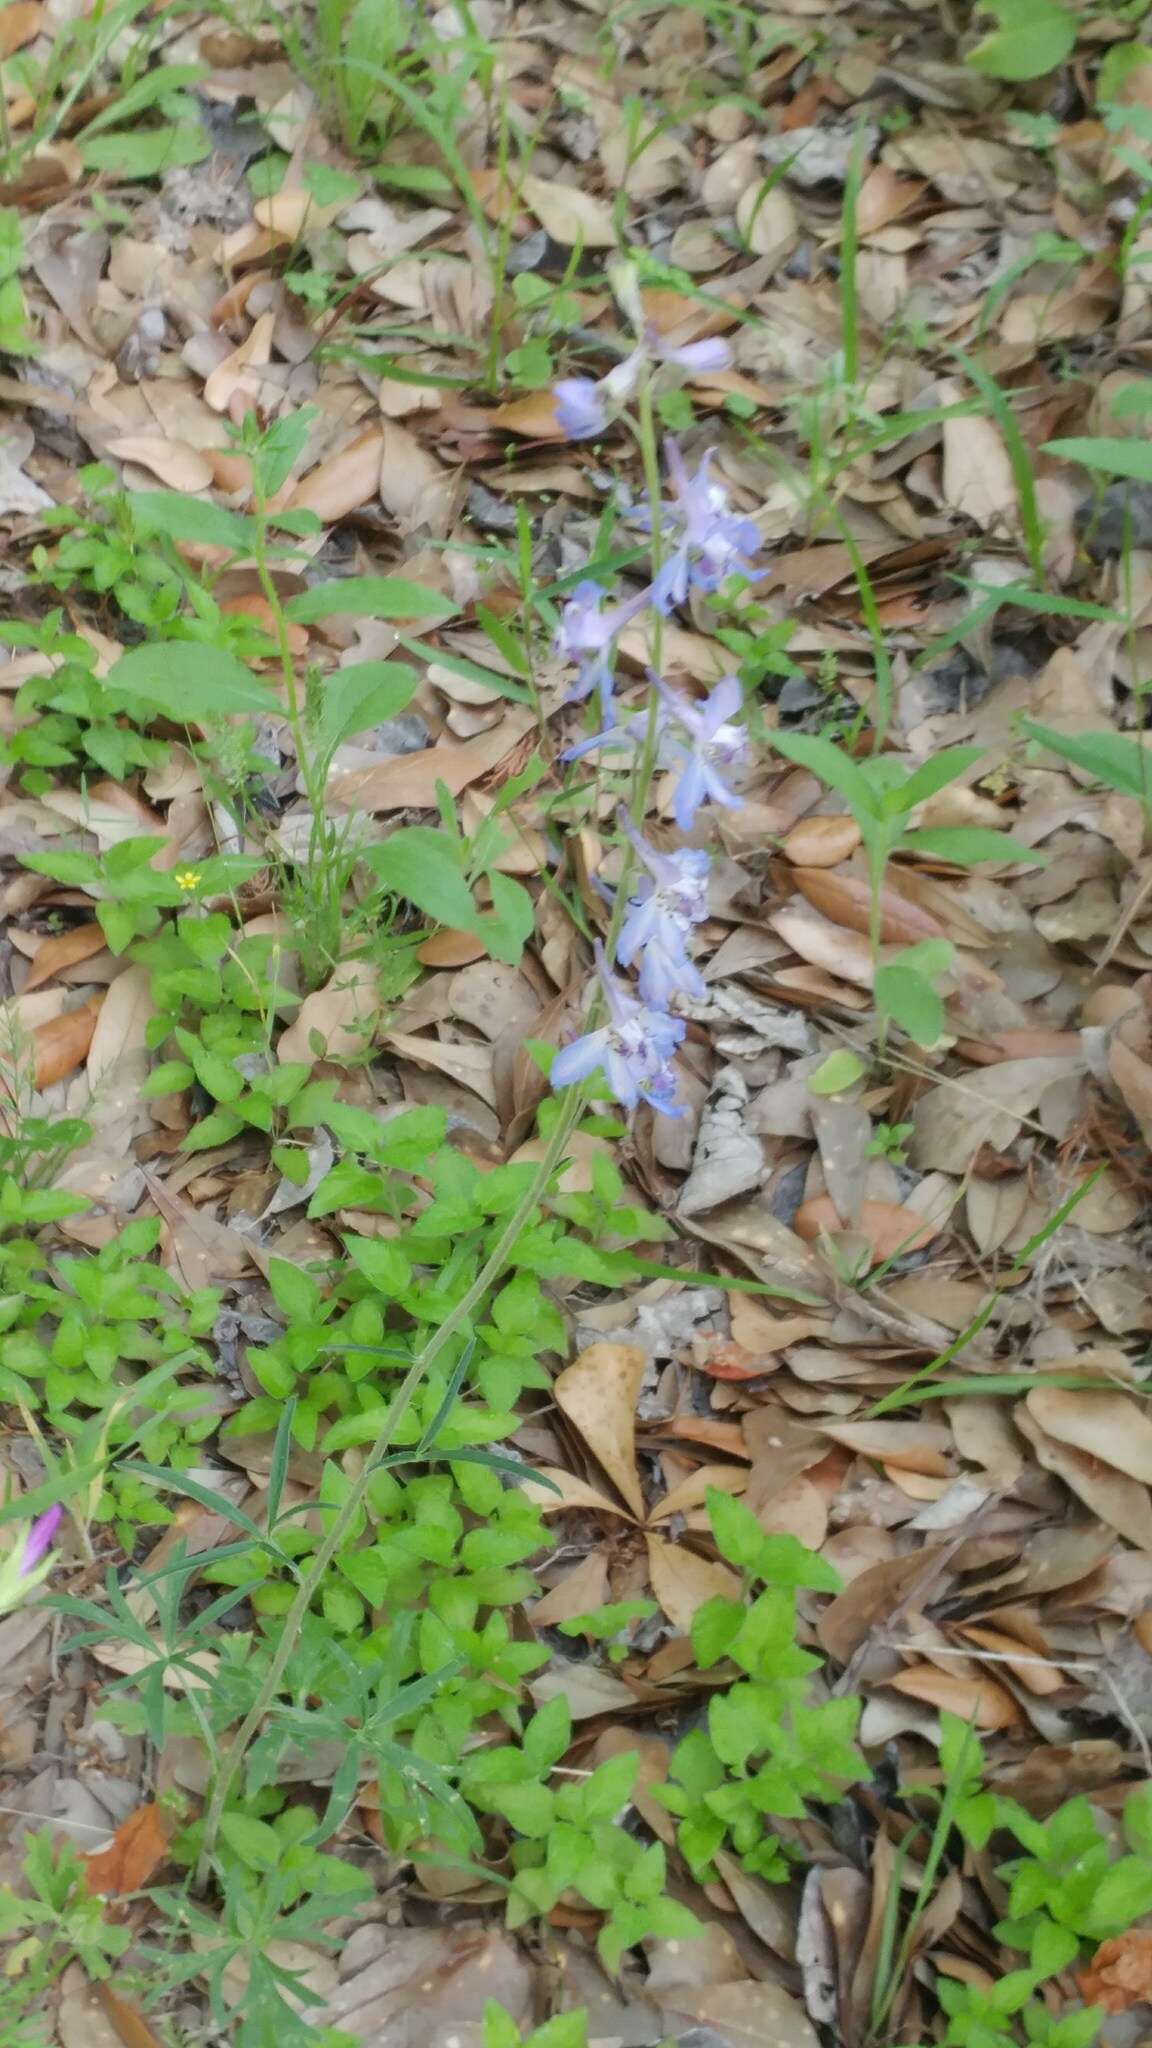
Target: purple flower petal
(39, 1539)
(580, 412)
(701, 357)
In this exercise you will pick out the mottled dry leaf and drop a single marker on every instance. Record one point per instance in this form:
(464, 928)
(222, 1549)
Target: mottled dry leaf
(1105, 1425)
(337, 1021)
(743, 2015)
(598, 1395)
(571, 215)
(682, 1582)
(974, 1699)
(132, 1857)
(468, 1063)
(79, 944)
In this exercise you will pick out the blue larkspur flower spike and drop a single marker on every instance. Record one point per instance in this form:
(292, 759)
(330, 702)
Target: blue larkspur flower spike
(632, 1050)
(671, 898)
(586, 634)
(712, 741)
(707, 542)
(586, 406)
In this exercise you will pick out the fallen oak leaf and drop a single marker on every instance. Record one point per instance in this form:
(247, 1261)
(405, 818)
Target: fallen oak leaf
(61, 1045)
(133, 1856)
(130, 2024)
(1120, 1973)
(598, 1395)
(66, 949)
(682, 1582)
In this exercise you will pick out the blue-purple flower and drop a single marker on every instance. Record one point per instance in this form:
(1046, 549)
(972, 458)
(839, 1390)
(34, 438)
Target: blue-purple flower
(632, 1050)
(711, 742)
(670, 899)
(707, 542)
(586, 406)
(588, 627)
(38, 1540)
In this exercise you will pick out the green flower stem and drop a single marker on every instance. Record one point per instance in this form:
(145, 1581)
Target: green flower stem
(344, 1520)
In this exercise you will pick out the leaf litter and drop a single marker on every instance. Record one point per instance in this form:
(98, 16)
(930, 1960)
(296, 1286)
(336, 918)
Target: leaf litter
(925, 1359)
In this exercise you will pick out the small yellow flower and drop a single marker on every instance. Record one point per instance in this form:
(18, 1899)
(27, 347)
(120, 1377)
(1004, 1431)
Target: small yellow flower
(187, 878)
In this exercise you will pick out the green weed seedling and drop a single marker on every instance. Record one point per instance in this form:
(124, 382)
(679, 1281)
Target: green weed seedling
(70, 718)
(769, 1747)
(1114, 758)
(881, 794)
(57, 1923)
(567, 2030)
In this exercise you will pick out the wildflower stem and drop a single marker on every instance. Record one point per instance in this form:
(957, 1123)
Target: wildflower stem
(344, 1520)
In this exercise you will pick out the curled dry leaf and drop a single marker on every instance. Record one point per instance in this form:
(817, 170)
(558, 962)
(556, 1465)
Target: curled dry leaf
(1120, 1973)
(409, 780)
(598, 1395)
(345, 482)
(847, 900)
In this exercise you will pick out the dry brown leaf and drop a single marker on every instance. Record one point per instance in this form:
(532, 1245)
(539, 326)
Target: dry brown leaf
(345, 482)
(64, 951)
(890, 1230)
(177, 464)
(821, 842)
(1133, 1077)
(598, 1395)
(122, 1024)
(416, 489)
(768, 222)
(292, 212)
(910, 1446)
(569, 214)
(682, 1582)
(745, 2015)
(1114, 1497)
(957, 1118)
(335, 1022)
(1105, 1425)
(409, 780)
(563, 1490)
(533, 416)
(978, 479)
(61, 1045)
(467, 1063)
(978, 1700)
(847, 900)
(1120, 1973)
(130, 2024)
(580, 1591)
(20, 23)
(693, 1491)
(133, 1856)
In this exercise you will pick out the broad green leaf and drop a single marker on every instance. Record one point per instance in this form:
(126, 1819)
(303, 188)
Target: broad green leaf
(369, 597)
(912, 1001)
(200, 520)
(421, 864)
(148, 151)
(967, 845)
(1112, 458)
(256, 1844)
(937, 773)
(382, 1263)
(188, 682)
(1109, 756)
(840, 1070)
(833, 766)
(362, 696)
(155, 84)
(1034, 37)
